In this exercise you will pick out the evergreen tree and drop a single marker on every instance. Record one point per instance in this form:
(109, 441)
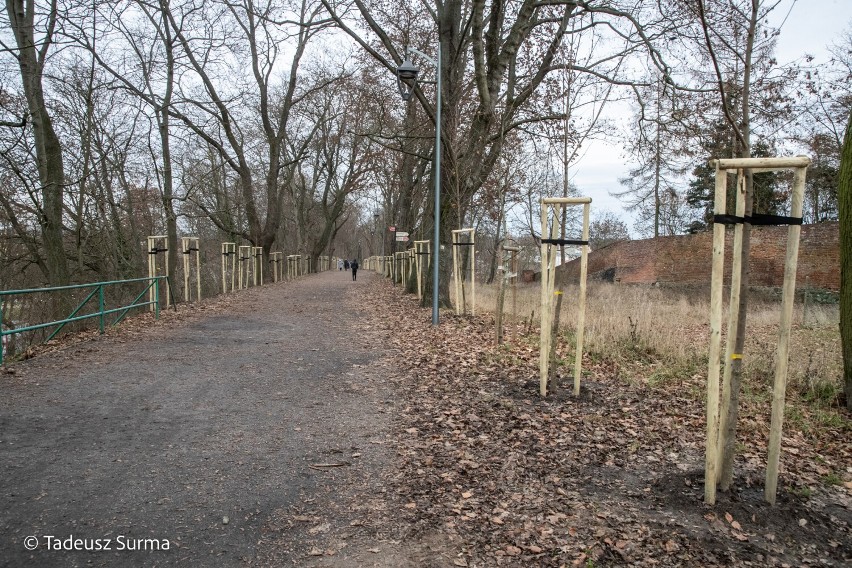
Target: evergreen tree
(769, 197)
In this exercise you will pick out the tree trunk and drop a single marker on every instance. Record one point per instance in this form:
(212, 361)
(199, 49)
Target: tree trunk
(657, 166)
(168, 204)
(844, 197)
(48, 149)
(729, 424)
(167, 175)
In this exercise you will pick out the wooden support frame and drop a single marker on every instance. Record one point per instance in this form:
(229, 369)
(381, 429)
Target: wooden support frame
(154, 249)
(399, 266)
(188, 246)
(549, 232)
(423, 256)
(507, 269)
(229, 266)
(458, 276)
(245, 262)
(717, 409)
(275, 261)
(294, 266)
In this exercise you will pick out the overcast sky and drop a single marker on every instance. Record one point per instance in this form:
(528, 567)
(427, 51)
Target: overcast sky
(811, 26)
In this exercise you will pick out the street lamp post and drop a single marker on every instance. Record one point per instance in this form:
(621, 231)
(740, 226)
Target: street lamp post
(407, 71)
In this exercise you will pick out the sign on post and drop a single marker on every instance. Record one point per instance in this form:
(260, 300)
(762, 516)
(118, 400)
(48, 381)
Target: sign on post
(402, 236)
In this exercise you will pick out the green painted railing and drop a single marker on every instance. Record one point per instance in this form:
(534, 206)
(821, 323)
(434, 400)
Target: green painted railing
(97, 290)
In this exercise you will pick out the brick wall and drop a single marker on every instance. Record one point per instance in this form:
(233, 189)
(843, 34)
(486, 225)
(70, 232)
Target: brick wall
(686, 259)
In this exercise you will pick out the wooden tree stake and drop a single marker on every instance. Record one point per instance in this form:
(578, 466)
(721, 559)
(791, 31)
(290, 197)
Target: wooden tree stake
(711, 458)
(733, 322)
(788, 296)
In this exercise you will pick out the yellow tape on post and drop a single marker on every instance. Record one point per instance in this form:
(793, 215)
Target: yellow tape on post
(736, 356)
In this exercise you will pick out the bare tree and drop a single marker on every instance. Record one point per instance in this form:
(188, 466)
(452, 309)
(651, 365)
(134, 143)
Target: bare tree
(652, 187)
(500, 60)
(34, 33)
(607, 228)
(284, 143)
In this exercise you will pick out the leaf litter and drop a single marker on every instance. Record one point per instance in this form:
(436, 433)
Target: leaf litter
(612, 477)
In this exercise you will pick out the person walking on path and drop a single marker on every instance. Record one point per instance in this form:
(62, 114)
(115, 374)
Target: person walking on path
(354, 265)
(340, 264)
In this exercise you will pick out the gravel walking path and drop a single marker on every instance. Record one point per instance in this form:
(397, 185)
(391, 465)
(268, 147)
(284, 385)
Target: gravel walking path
(202, 431)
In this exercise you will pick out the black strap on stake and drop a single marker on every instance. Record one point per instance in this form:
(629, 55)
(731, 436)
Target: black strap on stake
(757, 219)
(228, 253)
(426, 253)
(463, 244)
(189, 250)
(157, 250)
(563, 242)
(728, 219)
(760, 219)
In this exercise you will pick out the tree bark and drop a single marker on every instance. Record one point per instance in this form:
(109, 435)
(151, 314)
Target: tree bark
(844, 197)
(729, 424)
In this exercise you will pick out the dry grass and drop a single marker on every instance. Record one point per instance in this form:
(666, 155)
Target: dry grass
(670, 329)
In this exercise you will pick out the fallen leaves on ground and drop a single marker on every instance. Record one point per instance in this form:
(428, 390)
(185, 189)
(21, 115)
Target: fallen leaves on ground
(612, 477)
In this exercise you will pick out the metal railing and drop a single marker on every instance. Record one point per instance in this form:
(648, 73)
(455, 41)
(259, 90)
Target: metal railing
(98, 290)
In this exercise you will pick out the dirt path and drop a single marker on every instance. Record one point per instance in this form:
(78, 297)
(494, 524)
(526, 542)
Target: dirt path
(228, 434)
